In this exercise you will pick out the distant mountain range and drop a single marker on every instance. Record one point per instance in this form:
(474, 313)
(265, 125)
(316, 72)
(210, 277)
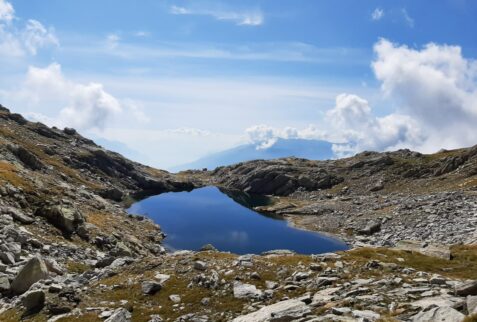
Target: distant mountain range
(300, 148)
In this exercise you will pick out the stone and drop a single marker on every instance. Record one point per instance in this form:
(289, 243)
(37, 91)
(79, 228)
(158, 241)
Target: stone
(271, 285)
(371, 228)
(439, 301)
(162, 278)
(341, 310)
(17, 215)
(287, 310)
(26, 157)
(69, 131)
(122, 250)
(33, 300)
(324, 296)
(366, 315)
(119, 315)
(7, 258)
(437, 280)
(65, 218)
(433, 250)
(55, 288)
(208, 248)
(33, 271)
(53, 266)
(300, 276)
(471, 302)
(4, 284)
(464, 289)
(175, 298)
(200, 265)
(150, 287)
(242, 290)
(112, 194)
(439, 314)
(155, 318)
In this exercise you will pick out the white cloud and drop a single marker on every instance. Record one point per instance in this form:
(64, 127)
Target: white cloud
(435, 89)
(241, 18)
(82, 106)
(377, 14)
(436, 86)
(7, 13)
(36, 36)
(353, 123)
(18, 41)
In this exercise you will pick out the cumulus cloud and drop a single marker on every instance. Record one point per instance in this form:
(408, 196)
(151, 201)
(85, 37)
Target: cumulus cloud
(352, 120)
(434, 89)
(241, 18)
(7, 13)
(18, 41)
(436, 86)
(84, 106)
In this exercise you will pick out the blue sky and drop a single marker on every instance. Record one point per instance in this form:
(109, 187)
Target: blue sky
(175, 80)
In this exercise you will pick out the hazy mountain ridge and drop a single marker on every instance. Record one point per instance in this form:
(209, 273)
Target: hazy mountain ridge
(300, 148)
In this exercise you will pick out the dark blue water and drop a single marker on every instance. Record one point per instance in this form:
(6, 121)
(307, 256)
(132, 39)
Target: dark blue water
(206, 215)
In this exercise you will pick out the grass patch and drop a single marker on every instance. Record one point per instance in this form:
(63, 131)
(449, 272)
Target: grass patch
(461, 265)
(77, 267)
(470, 318)
(8, 172)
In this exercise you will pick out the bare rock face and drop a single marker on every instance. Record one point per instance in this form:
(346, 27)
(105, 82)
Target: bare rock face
(33, 271)
(447, 314)
(26, 157)
(433, 250)
(288, 310)
(278, 177)
(65, 218)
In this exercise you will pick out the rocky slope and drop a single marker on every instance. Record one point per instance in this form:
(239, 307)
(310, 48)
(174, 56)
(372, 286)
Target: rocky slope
(70, 252)
(371, 198)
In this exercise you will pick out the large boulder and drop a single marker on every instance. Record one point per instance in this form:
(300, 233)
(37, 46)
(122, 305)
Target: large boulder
(33, 271)
(289, 310)
(65, 218)
(242, 290)
(26, 157)
(33, 300)
(468, 288)
(151, 287)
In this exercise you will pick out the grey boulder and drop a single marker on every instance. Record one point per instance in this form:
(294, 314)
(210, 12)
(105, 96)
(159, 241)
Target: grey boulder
(65, 218)
(33, 271)
(120, 315)
(33, 300)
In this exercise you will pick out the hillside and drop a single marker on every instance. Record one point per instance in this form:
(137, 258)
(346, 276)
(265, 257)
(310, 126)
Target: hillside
(70, 252)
